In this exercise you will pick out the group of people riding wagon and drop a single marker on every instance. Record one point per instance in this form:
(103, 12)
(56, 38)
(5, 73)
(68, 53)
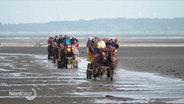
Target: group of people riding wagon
(63, 50)
(101, 52)
(102, 55)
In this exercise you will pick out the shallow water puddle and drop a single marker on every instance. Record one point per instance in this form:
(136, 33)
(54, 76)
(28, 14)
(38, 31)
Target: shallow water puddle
(27, 70)
(137, 85)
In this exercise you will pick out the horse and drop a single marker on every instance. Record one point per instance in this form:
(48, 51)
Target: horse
(104, 62)
(71, 56)
(55, 52)
(98, 61)
(111, 61)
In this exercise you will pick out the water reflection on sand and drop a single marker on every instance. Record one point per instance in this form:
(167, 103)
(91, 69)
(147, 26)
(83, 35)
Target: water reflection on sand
(26, 71)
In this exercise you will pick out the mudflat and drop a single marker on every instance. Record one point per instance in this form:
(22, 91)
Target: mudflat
(147, 74)
(164, 60)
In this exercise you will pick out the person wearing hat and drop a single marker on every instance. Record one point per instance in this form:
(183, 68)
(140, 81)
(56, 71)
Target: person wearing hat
(67, 42)
(94, 51)
(59, 41)
(93, 46)
(89, 57)
(110, 42)
(74, 42)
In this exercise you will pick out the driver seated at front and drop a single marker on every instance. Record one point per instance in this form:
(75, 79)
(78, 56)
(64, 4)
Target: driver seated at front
(68, 50)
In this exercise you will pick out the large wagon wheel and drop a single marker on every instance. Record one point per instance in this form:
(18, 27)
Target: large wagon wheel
(89, 71)
(66, 63)
(60, 63)
(54, 59)
(110, 73)
(49, 52)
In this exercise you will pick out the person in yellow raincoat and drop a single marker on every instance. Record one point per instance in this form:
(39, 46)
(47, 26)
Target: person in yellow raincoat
(101, 44)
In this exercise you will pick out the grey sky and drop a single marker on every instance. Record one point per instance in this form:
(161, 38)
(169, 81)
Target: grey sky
(31, 11)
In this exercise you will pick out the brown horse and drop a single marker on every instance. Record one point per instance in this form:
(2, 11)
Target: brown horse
(104, 62)
(55, 52)
(97, 63)
(111, 61)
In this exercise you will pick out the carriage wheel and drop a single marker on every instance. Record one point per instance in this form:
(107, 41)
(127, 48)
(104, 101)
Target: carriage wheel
(54, 59)
(88, 71)
(94, 76)
(49, 52)
(49, 56)
(110, 73)
(88, 74)
(66, 63)
(59, 64)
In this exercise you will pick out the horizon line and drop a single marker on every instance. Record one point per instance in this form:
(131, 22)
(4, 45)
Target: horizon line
(87, 20)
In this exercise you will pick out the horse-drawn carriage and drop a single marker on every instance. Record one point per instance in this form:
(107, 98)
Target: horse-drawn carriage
(63, 52)
(102, 62)
(68, 55)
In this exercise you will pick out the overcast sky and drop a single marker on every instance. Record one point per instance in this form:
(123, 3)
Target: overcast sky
(36, 11)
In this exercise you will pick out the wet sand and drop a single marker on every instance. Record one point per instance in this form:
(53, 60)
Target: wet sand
(24, 69)
(161, 60)
(145, 75)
